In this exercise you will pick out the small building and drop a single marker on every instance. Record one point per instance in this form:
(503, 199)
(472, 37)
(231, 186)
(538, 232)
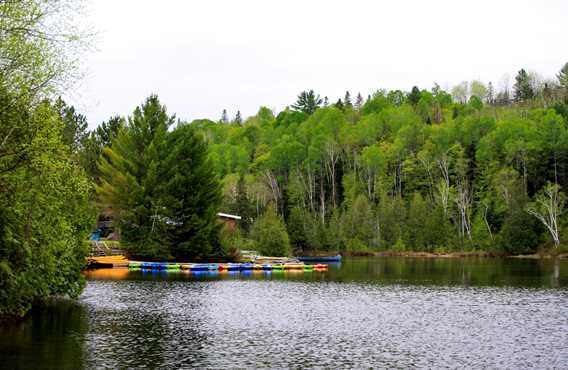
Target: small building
(229, 220)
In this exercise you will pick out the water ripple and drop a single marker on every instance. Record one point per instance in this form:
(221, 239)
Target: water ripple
(281, 324)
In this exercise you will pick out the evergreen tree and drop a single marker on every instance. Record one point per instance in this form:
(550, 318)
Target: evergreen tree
(563, 76)
(130, 178)
(490, 93)
(347, 100)
(243, 206)
(190, 197)
(238, 119)
(339, 104)
(325, 101)
(307, 102)
(522, 88)
(359, 102)
(75, 126)
(224, 117)
(414, 96)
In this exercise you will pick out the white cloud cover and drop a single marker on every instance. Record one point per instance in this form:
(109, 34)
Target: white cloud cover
(203, 56)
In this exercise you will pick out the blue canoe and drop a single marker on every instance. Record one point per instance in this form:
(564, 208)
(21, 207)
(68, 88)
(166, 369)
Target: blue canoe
(199, 267)
(321, 259)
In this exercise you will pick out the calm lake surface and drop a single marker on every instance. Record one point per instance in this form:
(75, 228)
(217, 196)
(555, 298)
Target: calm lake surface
(365, 313)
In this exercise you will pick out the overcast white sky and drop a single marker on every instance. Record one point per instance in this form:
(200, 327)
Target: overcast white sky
(203, 56)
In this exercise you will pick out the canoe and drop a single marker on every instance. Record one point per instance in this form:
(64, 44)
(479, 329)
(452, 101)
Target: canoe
(199, 267)
(257, 266)
(278, 266)
(336, 258)
(293, 266)
(267, 267)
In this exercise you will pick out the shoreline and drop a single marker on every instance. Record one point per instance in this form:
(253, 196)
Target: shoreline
(476, 254)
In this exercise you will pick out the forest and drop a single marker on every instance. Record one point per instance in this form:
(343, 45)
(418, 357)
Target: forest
(425, 170)
(469, 169)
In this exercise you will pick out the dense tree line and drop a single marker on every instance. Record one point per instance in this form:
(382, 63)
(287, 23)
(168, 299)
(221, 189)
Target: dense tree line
(419, 170)
(45, 213)
(423, 170)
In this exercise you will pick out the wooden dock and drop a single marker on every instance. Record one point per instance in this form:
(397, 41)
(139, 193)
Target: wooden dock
(107, 261)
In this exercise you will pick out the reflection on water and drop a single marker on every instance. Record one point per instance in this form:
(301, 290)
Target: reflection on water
(52, 337)
(391, 270)
(368, 312)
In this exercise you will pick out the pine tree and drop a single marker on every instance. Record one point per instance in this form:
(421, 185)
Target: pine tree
(347, 100)
(563, 76)
(224, 117)
(243, 206)
(325, 101)
(359, 102)
(238, 119)
(307, 102)
(490, 93)
(339, 104)
(523, 89)
(414, 95)
(130, 178)
(190, 196)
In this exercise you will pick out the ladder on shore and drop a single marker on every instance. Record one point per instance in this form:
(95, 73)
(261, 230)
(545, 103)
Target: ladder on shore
(100, 249)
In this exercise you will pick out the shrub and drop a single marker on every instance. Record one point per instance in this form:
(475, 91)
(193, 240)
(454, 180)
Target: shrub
(270, 235)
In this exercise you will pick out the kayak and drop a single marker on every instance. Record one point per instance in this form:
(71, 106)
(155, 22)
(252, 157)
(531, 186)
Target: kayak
(320, 266)
(294, 266)
(246, 266)
(233, 266)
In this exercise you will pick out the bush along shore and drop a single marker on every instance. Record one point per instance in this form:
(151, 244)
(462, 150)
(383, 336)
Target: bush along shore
(473, 169)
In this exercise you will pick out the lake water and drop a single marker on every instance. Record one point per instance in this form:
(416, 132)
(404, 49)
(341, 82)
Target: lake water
(366, 313)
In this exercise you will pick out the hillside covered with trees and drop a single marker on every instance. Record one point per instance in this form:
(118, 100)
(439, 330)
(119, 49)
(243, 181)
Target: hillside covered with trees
(421, 170)
(424, 170)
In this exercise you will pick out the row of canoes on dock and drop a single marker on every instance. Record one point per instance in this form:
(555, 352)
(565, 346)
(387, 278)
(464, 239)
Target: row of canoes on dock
(225, 266)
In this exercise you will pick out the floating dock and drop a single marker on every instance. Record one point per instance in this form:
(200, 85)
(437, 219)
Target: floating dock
(122, 261)
(225, 266)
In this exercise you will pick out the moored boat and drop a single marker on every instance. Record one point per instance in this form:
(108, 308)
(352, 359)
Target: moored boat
(199, 267)
(336, 258)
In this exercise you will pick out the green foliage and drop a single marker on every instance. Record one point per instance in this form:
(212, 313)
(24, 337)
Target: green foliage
(270, 235)
(523, 89)
(307, 102)
(436, 175)
(161, 188)
(44, 196)
(359, 225)
(563, 76)
(44, 215)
